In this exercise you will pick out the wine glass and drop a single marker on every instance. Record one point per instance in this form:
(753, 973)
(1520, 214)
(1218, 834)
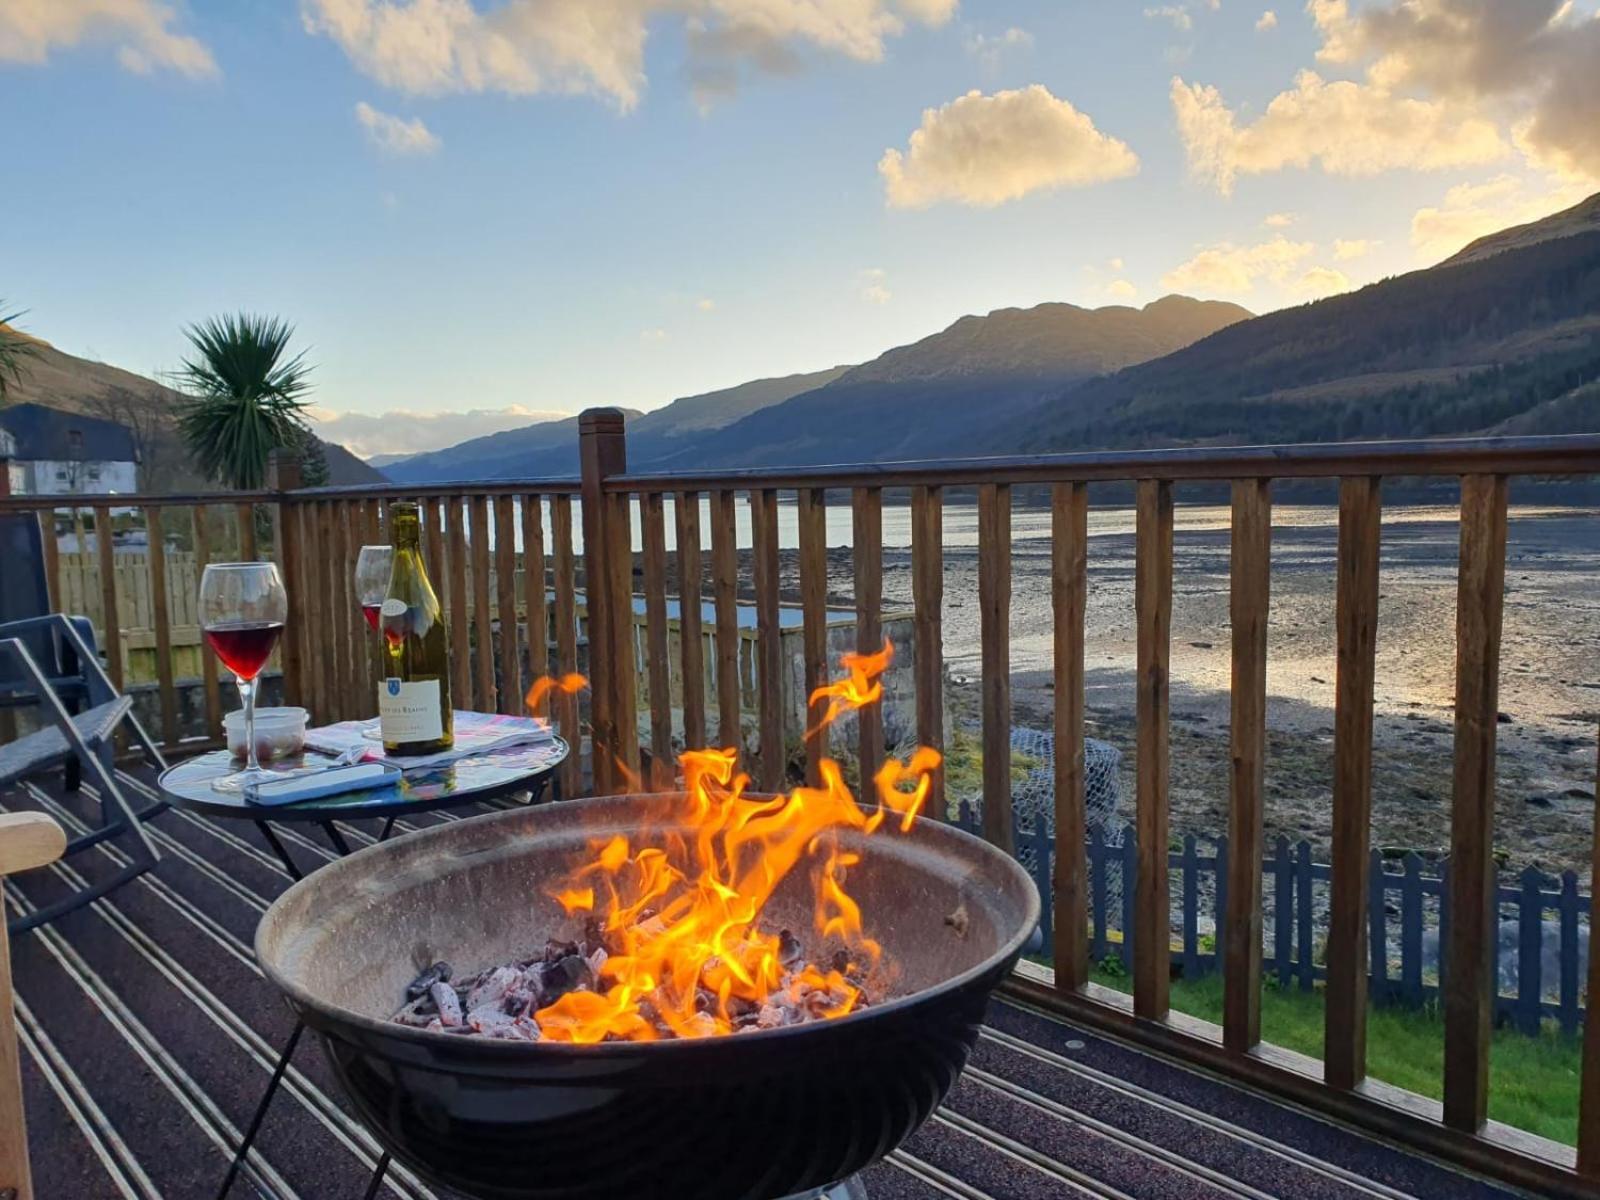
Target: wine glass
(242, 610)
(373, 566)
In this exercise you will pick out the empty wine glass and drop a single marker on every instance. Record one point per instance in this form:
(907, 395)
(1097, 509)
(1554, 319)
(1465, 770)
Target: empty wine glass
(373, 566)
(242, 610)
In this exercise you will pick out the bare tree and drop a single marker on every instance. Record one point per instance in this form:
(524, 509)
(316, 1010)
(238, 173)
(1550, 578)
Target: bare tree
(148, 417)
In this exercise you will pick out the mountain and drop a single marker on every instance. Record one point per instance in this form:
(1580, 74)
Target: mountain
(60, 380)
(550, 448)
(1505, 336)
(943, 394)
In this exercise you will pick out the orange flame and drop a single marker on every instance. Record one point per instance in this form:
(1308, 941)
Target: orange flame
(569, 684)
(861, 687)
(683, 919)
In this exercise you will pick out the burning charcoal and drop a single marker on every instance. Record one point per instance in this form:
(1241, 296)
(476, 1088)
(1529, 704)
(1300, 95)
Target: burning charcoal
(770, 1017)
(438, 973)
(555, 951)
(841, 962)
(449, 1004)
(491, 989)
(597, 960)
(417, 1013)
(789, 951)
(567, 975)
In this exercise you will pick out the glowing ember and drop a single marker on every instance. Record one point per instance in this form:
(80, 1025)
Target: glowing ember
(675, 944)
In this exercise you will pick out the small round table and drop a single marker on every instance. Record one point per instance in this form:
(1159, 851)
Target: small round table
(526, 768)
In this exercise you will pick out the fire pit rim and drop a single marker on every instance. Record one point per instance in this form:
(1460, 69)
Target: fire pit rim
(495, 1049)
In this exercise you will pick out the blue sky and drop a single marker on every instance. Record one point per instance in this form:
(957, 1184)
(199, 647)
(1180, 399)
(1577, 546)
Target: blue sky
(529, 216)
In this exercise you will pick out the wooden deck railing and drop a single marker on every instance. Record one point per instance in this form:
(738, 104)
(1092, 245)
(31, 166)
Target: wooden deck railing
(327, 662)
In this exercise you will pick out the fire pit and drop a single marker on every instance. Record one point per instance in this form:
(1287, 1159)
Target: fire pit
(759, 1114)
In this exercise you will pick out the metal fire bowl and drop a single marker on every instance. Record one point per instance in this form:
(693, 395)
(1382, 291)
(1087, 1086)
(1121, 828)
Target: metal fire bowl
(745, 1117)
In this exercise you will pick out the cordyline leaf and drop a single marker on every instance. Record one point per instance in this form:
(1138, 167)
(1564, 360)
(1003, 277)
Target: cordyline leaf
(14, 347)
(245, 396)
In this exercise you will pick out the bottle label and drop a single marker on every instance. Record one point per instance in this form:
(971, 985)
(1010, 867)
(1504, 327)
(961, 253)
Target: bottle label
(410, 712)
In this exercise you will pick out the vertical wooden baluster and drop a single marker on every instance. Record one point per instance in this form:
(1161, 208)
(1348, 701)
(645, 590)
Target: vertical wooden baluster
(246, 519)
(170, 732)
(725, 590)
(328, 628)
(994, 606)
(313, 679)
(1469, 980)
(533, 589)
(372, 522)
(460, 637)
(1069, 529)
(652, 513)
(1589, 1101)
(483, 637)
(433, 523)
(687, 511)
(368, 642)
(111, 618)
(1153, 603)
(773, 770)
(352, 624)
(52, 557)
(624, 652)
(1356, 619)
(814, 615)
(505, 558)
(208, 657)
(927, 588)
(565, 707)
(867, 555)
(1250, 577)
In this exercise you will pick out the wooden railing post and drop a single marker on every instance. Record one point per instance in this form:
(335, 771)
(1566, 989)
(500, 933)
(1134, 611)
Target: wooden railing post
(283, 476)
(1069, 592)
(1469, 981)
(1152, 935)
(1356, 619)
(602, 452)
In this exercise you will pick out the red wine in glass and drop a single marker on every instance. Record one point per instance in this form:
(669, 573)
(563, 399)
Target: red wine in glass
(370, 612)
(244, 646)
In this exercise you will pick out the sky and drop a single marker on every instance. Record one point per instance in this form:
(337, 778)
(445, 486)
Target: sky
(478, 212)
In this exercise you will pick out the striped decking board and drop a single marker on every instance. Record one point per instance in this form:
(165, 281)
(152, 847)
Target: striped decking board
(148, 1035)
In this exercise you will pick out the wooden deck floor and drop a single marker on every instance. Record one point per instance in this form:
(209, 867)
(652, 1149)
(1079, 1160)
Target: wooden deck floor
(148, 1035)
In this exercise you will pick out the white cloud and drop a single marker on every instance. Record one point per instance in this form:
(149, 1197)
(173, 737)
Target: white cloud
(1280, 220)
(1319, 282)
(401, 431)
(1178, 14)
(874, 286)
(521, 47)
(395, 135)
(1470, 210)
(1230, 270)
(1121, 289)
(652, 337)
(140, 30)
(985, 150)
(1267, 20)
(1346, 128)
(989, 49)
(705, 304)
(1114, 263)
(1345, 249)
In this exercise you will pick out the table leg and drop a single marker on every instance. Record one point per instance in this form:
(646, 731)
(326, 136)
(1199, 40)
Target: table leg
(377, 1176)
(337, 838)
(261, 1110)
(272, 840)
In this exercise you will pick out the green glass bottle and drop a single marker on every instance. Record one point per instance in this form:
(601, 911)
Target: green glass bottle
(414, 713)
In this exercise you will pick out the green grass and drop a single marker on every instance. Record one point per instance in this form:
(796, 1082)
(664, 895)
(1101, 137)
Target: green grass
(1533, 1081)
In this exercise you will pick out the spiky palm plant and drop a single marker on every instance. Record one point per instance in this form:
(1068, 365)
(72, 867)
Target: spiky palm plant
(245, 396)
(14, 348)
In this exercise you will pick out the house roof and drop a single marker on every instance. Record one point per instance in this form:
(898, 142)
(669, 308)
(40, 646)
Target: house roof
(47, 433)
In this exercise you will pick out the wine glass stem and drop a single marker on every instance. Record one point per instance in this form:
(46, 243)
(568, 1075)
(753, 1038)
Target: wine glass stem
(247, 693)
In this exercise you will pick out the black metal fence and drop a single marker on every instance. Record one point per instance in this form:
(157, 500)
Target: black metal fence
(1543, 926)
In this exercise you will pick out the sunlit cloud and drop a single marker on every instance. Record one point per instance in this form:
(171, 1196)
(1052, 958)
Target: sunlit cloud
(1267, 20)
(395, 135)
(1280, 220)
(1229, 270)
(984, 150)
(1121, 289)
(706, 304)
(141, 31)
(1319, 282)
(873, 285)
(653, 337)
(596, 47)
(1468, 211)
(991, 49)
(1345, 249)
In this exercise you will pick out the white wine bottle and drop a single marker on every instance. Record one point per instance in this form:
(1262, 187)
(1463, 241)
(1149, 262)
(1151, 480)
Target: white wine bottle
(414, 714)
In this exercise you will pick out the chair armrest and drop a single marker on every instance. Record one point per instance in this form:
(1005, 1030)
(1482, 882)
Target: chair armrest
(28, 840)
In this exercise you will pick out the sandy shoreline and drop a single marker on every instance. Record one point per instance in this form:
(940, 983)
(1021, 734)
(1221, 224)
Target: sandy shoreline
(1550, 679)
